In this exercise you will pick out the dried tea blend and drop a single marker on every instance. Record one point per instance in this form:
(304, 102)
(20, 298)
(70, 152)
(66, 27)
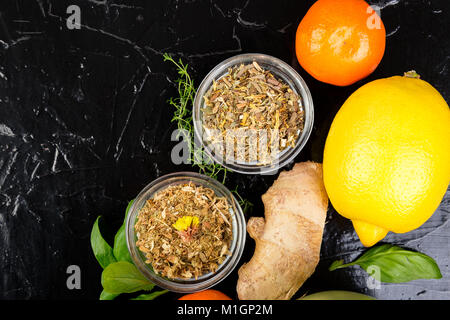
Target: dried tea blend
(250, 115)
(184, 231)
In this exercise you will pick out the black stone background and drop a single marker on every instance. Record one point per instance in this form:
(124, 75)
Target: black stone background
(84, 126)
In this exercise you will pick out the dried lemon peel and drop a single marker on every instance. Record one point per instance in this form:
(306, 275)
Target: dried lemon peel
(186, 222)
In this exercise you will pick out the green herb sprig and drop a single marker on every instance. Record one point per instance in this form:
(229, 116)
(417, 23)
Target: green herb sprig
(246, 205)
(183, 117)
(395, 264)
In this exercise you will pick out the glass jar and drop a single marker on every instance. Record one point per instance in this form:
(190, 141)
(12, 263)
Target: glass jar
(280, 70)
(237, 243)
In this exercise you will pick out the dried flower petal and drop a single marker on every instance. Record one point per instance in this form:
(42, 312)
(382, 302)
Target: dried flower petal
(185, 222)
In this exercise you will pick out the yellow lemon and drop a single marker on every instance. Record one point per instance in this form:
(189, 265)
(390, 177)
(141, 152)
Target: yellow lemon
(387, 156)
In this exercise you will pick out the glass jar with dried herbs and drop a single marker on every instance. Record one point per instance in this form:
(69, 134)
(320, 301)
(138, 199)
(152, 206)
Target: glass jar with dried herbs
(249, 115)
(184, 231)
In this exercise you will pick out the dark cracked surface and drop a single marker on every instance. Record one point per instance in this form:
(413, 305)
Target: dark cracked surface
(84, 126)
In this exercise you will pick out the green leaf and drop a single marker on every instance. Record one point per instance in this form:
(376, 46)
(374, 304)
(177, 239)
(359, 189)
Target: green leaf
(150, 296)
(395, 264)
(107, 296)
(336, 265)
(124, 277)
(120, 250)
(102, 250)
(127, 210)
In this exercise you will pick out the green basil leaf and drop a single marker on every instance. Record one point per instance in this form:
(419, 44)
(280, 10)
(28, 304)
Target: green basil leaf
(127, 210)
(150, 296)
(336, 265)
(120, 240)
(120, 246)
(395, 264)
(124, 277)
(107, 296)
(102, 250)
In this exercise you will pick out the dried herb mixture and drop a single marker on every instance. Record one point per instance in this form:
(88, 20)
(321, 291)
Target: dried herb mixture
(184, 231)
(251, 99)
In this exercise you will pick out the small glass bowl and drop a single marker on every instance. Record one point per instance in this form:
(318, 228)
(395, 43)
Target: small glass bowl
(237, 243)
(280, 70)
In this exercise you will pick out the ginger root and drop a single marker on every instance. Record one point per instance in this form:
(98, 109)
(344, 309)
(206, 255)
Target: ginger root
(288, 240)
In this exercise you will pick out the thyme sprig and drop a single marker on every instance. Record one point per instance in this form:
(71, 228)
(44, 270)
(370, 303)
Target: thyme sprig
(186, 93)
(183, 118)
(245, 204)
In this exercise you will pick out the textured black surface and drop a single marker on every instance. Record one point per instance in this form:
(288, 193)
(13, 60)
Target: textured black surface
(84, 125)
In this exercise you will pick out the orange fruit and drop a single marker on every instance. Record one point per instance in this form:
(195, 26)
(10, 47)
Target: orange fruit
(340, 41)
(206, 295)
